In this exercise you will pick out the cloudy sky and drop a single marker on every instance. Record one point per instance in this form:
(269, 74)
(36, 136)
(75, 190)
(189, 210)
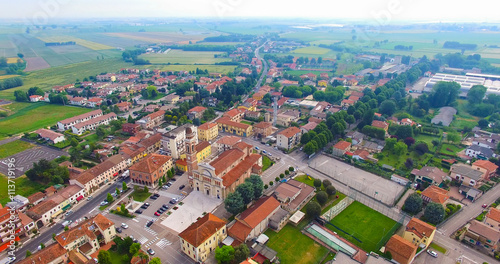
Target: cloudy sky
(377, 11)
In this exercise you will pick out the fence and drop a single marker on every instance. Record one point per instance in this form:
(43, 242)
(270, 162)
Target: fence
(335, 210)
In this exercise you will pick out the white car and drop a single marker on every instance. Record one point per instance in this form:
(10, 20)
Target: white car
(124, 226)
(103, 203)
(432, 253)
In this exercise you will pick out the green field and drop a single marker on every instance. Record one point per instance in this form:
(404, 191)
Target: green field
(397, 161)
(312, 50)
(366, 224)
(454, 149)
(305, 179)
(35, 116)
(266, 163)
(294, 247)
(427, 139)
(184, 57)
(14, 147)
(140, 196)
(24, 187)
(209, 68)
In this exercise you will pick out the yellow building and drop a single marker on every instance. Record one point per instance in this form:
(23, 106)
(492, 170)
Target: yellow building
(202, 237)
(419, 232)
(203, 150)
(181, 164)
(235, 128)
(322, 83)
(207, 131)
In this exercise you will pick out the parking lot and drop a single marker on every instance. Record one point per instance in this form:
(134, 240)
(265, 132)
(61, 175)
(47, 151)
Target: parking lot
(24, 160)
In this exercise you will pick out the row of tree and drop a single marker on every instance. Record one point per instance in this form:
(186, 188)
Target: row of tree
(246, 192)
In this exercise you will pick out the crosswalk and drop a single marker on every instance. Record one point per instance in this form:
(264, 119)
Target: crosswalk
(151, 231)
(142, 240)
(147, 245)
(163, 243)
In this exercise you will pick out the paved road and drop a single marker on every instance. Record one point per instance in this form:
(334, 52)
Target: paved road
(81, 211)
(264, 70)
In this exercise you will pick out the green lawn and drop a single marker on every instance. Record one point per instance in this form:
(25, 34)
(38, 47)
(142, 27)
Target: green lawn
(35, 116)
(305, 179)
(140, 196)
(266, 163)
(116, 258)
(246, 122)
(427, 139)
(335, 200)
(449, 149)
(438, 248)
(294, 247)
(14, 147)
(398, 161)
(366, 224)
(184, 57)
(24, 187)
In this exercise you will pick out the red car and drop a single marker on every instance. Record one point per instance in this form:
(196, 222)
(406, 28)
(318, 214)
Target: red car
(157, 214)
(485, 205)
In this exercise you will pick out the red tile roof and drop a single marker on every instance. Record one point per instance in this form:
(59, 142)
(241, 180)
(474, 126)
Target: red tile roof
(151, 163)
(436, 194)
(207, 126)
(228, 122)
(226, 159)
(263, 125)
(343, 145)
(197, 109)
(201, 230)
(228, 140)
(401, 250)
(46, 255)
(494, 214)
(290, 132)
(235, 173)
(487, 165)
(82, 116)
(380, 124)
(202, 145)
(45, 133)
(420, 228)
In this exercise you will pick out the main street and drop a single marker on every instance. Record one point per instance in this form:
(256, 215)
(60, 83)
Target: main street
(82, 209)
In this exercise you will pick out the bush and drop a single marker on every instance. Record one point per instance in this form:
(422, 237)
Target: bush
(277, 179)
(271, 183)
(313, 209)
(287, 172)
(282, 175)
(291, 169)
(266, 186)
(330, 190)
(326, 183)
(322, 197)
(317, 183)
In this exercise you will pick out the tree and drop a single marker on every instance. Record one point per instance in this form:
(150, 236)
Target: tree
(422, 148)
(310, 148)
(313, 209)
(403, 132)
(100, 132)
(104, 257)
(409, 163)
(322, 197)
(409, 141)
(109, 198)
(390, 142)
(257, 184)
(482, 123)
(444, 94)
(434, 213)
(388, 107)
(117, 191)
(413, 204)
(28, 253)
(291, 168)
(330, 190)
(476, 94)
(134, 248)
(74, 142)
(350, 119)
(241, 253)
(400, 148)
(155, 260)
(326, 183)
(453, 137)
(21, 96)
(234, 203)
(124, 186)
(224, 254)
(246, 192)
(317, 183)
(42, 245)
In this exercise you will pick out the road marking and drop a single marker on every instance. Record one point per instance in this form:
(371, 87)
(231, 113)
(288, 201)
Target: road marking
(135, 220)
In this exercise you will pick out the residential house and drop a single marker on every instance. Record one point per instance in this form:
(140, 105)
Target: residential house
(131, 129)
(100, 174)
(435, 194)
(407, 122)
(151, 108)
(287, 117)
(124, 106)
(226, 143)
(80, 101)
(196, 112)
(70, 122)
(308, 127)
(341, 148)
(431, 175)
(36, 98)
(222, 175)
(361, 154)
(482, 235)
(322, 83)
(356, 137)
(419, 233)
(235, 115)
(469, 192)
(52, 254)
(263, 129)
(288, 138)
(203, 150)
(254, 220)
(208, 131)
(401, 250)
(150, 170)
(252, 114)
(50, 136)
(487, 167)
(380, 124)
(36, 198)
(181, 164)
(94, 102)
(152, 120)
(10, 228)
(172, 98)
(346, 103)
(210, 101)
(479, 152)
(492, 218)
(293, 195)
(225, 124)
(202, 237)
(465, 174)
(92, 124)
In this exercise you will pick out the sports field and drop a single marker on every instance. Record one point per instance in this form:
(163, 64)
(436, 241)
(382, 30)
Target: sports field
(294, 247)
(36, 115)
(88, 44)
(366, 224)
(184, 57)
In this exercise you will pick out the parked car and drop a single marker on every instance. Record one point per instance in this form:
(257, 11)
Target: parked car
(156, 195)
(173, 179)
(124, 226)
(169, 184)
(89, 198)
(173, 201)
(68, 212)
(103, 203)
(157, 214)
(182, 187)
(165, 186)
(165, 206)
(269, 154)
(264, 152)
(485, 205)
(257, 148)
(432, 253)
(118, 230)
(138, 211)
(152, 197)
(161, 210)
(151, 251)
(144, 207)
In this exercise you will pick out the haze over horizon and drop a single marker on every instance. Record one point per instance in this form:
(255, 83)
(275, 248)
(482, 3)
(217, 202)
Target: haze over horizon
(380, 12)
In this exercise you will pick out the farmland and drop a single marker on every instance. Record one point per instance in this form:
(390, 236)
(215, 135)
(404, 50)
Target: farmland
(35, 64)
(36, 115)
(85, 43)
(7, 76)
(184, 57)
(209, 68)
(311, 50)
(161, 37)
(12, 60)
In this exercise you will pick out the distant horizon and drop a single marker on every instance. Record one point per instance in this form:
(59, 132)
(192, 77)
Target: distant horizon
(360, 11)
